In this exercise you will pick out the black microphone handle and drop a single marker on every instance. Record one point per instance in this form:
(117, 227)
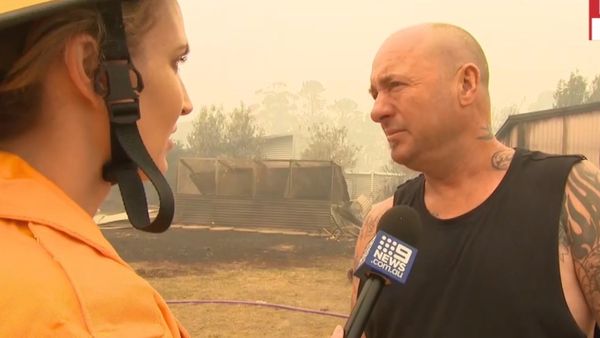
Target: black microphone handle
(359, 304)
(355, 326)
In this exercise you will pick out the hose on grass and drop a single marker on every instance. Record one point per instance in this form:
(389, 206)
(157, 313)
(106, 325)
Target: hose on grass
(258, 303)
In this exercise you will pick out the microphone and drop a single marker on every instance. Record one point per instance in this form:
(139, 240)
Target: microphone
(389, 257)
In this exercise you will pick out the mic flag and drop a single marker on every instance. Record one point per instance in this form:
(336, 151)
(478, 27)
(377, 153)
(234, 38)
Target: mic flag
(389, 257)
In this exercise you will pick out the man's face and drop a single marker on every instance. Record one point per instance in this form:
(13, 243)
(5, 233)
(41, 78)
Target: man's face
(413, 98)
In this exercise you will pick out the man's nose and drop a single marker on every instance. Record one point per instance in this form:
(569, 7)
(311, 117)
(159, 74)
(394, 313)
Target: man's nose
(382, 108)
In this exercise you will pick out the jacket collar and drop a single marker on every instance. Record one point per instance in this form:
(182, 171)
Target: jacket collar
(27, 195)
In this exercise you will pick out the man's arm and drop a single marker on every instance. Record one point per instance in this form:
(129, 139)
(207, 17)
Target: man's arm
(367, 231)
(581, 215)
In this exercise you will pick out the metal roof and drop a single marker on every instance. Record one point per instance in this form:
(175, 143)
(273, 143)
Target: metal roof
(513, 120)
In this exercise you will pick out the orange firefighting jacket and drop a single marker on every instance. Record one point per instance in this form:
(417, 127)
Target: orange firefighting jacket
(59, 276)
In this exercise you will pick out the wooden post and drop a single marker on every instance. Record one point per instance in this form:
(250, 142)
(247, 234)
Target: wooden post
(372, 183)
(332, 166)
(565, 135)
(216, 162)
(290, 179)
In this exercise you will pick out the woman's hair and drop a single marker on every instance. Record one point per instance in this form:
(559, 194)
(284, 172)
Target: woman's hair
(20, 87)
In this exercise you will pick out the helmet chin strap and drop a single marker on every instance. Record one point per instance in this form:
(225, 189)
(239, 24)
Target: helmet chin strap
(113, 80)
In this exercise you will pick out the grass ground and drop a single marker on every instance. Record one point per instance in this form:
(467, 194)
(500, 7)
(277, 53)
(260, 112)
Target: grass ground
(290, 270)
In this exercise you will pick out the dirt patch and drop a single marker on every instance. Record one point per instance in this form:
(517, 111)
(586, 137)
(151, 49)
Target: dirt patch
(190, 246)
(198, 264)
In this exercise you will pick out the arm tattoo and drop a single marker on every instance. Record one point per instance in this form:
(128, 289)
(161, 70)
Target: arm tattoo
(369, 227)
(366, 232)
(487, 133)
(581, 208)
(563, 240)
(363, 239)
(502, 158)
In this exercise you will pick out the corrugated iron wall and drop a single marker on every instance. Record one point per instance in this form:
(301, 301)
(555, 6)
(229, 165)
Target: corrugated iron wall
(291, 214)
(583, 135)
(569, 134)
(545, 135)
(279, 149)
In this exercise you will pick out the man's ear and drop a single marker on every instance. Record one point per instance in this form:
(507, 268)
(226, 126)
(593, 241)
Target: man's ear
(469, 78)
(81, 56)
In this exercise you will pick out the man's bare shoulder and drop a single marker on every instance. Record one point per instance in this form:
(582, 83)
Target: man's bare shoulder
(378, 209)
(381, 207)
(581, 236)
(367, 231)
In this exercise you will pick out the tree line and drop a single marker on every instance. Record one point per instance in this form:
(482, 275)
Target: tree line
(324, 130)
(572, 91)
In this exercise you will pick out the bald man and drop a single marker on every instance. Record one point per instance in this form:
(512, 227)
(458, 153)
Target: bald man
(510, 244)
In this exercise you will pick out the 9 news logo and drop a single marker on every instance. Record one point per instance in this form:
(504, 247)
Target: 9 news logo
(391, 252)
(392, 257)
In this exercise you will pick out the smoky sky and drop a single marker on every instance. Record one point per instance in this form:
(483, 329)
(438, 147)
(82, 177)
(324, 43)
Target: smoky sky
(239, 46)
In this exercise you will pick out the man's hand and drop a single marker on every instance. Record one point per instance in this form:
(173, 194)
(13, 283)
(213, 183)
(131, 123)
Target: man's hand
(338, 332)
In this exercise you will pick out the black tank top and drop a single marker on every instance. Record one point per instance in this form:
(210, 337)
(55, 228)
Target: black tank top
(492, 272)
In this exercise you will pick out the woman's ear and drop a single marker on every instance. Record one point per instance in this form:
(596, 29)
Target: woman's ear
(81, 55)
(469, 78)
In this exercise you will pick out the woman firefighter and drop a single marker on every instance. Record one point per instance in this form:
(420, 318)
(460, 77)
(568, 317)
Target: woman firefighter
(89, 96)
